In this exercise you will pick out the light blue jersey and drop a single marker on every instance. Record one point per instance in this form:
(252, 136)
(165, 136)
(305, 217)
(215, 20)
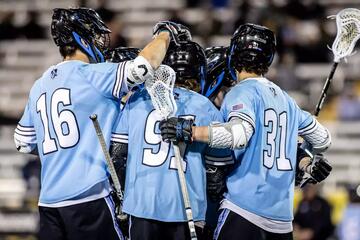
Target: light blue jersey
(152, 188)
(56, 118)
(263, 181)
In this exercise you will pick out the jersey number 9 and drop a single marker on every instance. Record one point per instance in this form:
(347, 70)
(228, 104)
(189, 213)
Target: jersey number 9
(154, 158)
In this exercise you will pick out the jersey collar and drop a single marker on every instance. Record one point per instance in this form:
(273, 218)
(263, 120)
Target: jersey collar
(67, 61)
(260, 79)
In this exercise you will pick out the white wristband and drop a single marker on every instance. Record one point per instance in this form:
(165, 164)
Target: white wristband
(139, 71)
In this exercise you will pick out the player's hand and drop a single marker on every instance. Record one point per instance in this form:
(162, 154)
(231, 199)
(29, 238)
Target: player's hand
(178, 32)
(176, 130)
(320, 168)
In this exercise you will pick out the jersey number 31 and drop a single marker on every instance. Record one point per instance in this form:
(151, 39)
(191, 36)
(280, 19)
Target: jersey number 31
(278, 129)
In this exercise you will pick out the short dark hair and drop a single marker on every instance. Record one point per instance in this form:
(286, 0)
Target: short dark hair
(68, 50)
(190, 84)
(257, 69)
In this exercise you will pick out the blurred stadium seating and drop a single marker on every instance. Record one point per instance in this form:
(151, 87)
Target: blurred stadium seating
(22, 61)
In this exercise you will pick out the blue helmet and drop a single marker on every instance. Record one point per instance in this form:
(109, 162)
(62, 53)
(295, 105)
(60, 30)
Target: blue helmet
(217, 73)
(82, 28)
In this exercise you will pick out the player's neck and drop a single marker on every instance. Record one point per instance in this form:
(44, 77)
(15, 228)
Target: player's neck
(78, 55)
(244, 75)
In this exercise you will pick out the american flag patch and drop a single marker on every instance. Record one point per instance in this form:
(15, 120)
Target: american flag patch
(238, 106)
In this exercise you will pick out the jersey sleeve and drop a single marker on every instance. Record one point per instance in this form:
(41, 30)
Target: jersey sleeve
(306, 122)
(108, 78)
(241, 104)
(25, 135)
(120, 130)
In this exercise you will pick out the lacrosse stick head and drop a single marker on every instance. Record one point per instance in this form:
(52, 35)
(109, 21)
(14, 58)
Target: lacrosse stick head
(160, 89)
(348, 33)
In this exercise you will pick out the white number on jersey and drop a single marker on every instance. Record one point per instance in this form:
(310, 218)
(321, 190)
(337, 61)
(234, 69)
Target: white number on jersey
(276, 124)
(158, 154)
(64, 121)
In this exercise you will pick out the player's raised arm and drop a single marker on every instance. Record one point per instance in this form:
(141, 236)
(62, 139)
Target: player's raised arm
(150, 58)
(164, 32)
(155, 51)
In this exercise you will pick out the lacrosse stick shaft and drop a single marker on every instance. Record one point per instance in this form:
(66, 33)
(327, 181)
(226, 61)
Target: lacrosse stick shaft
(105, 151)
(316, 113)
(325, 90)
(185, 193)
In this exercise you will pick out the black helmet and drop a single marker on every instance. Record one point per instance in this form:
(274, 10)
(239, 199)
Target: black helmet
(121, 54)
(251, 46)
(217, 74)
(83, 28)
(188, 61)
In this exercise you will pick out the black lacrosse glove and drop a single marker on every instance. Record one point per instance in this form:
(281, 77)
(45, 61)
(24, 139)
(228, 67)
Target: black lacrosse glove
(299, 173)
(176, 130)
(216, 182)
(299, 176)
(320, 168)
(178, 32)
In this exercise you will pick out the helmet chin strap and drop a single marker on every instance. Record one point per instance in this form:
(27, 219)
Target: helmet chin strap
(230, 67)
(95, 56)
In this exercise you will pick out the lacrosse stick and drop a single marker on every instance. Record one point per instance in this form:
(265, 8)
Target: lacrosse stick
(160, 89)
(122, 216)
(348, 33)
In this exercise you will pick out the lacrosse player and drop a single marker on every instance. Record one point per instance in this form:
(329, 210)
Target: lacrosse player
(263, 124)
(152, 191)
(74, 198)
(216, 84)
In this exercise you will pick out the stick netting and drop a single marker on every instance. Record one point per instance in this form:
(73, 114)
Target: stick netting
(160, 89)
(348, 32)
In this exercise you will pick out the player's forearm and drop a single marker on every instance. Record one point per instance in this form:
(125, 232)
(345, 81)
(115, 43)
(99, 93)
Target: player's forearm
(200, 134)
(319, 138)
(234, 134)
(155, 51)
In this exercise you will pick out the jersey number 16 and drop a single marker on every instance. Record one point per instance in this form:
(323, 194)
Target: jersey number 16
(63, 121)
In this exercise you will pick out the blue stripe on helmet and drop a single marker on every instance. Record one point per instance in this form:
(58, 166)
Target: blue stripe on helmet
(231, 70)
(219, 80)
(88, 49)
